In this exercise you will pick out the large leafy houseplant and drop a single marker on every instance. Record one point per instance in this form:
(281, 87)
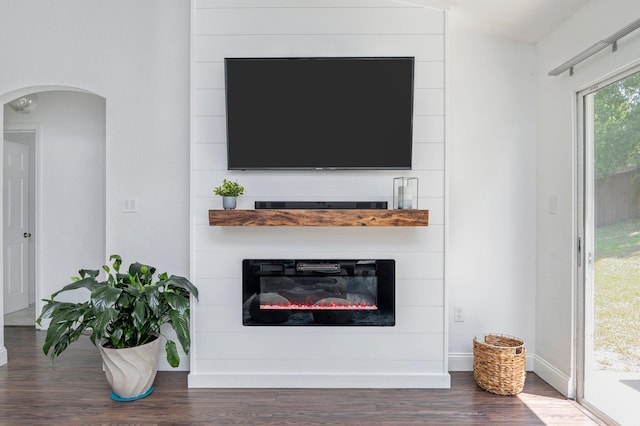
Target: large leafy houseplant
(124, 310)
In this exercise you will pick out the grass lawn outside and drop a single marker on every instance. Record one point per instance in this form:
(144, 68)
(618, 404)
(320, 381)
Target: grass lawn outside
(617, 297)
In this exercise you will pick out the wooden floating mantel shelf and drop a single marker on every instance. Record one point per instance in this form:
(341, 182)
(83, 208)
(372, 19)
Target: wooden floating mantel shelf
(321, 217)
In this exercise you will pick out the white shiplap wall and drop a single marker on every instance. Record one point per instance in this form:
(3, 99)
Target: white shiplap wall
(226, 354)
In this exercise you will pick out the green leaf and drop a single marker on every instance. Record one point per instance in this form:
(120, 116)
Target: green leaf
(153, 297)
(130, 337)
(88, 283)
(102, 321)
(47, 310)
(65, 327)
(175, 281)
(63, 343)
(116, 338)
(122, 280)
(172, 353)
(104, 297)
(117, 261)
(128, 298)
(140, 270)
(54, 335)
(92, 273)
(139, 313)
(177, 302)
(180, 323)
(92, 337)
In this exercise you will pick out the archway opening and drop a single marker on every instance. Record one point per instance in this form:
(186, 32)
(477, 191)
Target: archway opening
(66, 214)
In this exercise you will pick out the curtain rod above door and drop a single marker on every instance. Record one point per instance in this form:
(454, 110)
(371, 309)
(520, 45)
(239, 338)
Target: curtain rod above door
(612, 41)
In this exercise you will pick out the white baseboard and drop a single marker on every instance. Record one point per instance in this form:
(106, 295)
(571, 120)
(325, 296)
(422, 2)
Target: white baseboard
(556, 378)
(3, 355)
(460, 361)
(390, 381)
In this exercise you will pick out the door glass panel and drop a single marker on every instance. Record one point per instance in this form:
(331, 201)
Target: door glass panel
(611, 379)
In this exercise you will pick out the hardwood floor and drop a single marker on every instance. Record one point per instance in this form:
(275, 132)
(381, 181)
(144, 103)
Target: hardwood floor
(76, 393)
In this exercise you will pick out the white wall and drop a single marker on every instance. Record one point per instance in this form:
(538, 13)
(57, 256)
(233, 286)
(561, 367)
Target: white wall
(70, 184)
(491, 164)
(136, 56)
(556, 175)
(411, 354)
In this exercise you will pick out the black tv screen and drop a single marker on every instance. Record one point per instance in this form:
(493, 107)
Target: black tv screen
(319, 113)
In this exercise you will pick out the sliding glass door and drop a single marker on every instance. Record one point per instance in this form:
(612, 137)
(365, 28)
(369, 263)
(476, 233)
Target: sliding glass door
(608, 361)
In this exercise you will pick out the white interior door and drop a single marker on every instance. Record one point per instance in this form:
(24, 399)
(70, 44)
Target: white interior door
(17, 233)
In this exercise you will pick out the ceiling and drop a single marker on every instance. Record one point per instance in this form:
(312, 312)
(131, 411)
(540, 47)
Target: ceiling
(521, 20)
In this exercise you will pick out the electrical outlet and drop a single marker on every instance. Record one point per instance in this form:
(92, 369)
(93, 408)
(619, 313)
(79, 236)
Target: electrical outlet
(130, 205)
(458, 313)
(553, 204)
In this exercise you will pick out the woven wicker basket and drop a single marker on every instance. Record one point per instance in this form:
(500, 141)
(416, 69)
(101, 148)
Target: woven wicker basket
(499, 363)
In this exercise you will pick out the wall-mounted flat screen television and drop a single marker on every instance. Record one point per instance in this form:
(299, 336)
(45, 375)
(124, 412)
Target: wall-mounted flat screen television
(319, 113)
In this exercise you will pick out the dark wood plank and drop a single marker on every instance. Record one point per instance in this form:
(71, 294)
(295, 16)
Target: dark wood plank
(329, 217)
(76, 393)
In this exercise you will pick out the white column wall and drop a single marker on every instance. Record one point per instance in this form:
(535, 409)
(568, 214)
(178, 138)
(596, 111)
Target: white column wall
(411, 354)
(492, 165)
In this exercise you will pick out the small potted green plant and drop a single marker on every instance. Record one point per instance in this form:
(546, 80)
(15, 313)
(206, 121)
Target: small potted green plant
(229, 191)
(122, 316)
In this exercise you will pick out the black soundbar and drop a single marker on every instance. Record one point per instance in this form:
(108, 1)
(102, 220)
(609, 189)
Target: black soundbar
(364, 205)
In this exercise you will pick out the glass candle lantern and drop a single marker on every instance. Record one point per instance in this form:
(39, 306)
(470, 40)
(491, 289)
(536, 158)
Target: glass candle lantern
(405, 193)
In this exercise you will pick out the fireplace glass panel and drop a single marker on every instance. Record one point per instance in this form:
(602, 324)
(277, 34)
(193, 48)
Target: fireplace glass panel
(319, 292)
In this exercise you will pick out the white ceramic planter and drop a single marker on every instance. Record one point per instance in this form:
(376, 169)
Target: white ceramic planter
(131, 371)
(229, 203)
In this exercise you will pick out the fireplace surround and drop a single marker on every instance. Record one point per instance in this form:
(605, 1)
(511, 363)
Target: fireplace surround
(318, 292)
(226, 354)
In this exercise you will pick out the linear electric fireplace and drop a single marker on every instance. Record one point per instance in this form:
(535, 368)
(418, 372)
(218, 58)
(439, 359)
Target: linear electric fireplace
(307, 292)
